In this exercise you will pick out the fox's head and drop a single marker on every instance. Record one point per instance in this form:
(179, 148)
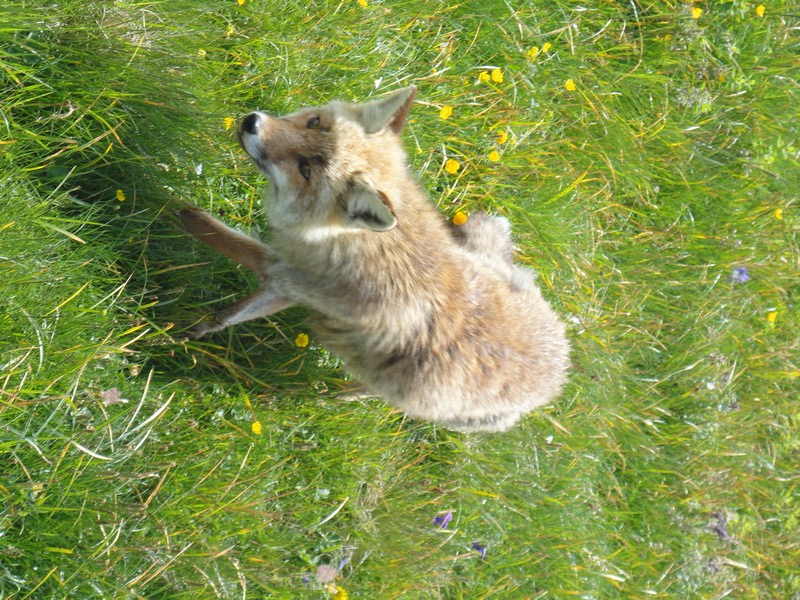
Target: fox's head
(338, 167)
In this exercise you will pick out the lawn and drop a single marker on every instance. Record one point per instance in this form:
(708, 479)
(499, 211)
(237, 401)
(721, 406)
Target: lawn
(647, 155)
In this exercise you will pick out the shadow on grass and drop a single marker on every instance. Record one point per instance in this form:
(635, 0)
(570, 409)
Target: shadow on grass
(113, 154)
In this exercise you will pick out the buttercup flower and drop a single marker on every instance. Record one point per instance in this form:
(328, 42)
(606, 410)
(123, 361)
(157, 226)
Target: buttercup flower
(255, 427)
(301, 341)
(497, 75)
(362, 3)
(484, 77)
(696, 12)
(569, 85)
(502, 137)
(778, 213)
(446, 111)
(452, 166)
(227, 122)
(120, 195)
(532, 53)
(760, 10)
(546, 47)
(460, 218)
(772, 316)
(494, 156)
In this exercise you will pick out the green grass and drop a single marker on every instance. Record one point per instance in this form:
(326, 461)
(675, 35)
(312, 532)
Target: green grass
(668, 468)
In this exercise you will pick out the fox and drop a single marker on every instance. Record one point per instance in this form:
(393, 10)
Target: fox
(435, 319)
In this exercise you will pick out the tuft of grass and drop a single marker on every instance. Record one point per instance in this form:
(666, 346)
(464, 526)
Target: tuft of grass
(129, 461)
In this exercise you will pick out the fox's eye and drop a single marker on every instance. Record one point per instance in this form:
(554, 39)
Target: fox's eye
(313, 123)
(305, 168)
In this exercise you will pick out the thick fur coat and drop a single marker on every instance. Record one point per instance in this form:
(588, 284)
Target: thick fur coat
(435, 319)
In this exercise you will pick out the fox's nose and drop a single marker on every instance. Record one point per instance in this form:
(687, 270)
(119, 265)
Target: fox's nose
(250, 124)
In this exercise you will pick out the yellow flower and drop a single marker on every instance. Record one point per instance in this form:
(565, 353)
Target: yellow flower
(452, 166)
(696, 12)
(120, 195)
(760, 10)
(240, 2)
(532, 53)
(362, 3)
(772, 316)
(483, 77)
(494, 156)
(460, 218)
(340, 594)
(502, 137)
(201, 53)
(256, 427)
(301, 341)
(779, 213)
(546, 47)
(497, 75)
(569, 85)
(446, 111)
(227, 122)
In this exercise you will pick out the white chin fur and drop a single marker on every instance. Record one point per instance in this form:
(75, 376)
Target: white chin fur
(250, 143)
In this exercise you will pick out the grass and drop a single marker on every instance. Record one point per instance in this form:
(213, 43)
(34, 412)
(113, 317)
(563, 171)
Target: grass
(128, 465)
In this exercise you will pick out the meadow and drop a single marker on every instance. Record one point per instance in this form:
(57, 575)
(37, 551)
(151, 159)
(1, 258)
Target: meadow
(647, 155)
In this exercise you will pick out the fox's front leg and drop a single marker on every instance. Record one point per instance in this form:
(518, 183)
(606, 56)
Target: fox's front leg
(262, 303)
(246, 251)
(237, 246)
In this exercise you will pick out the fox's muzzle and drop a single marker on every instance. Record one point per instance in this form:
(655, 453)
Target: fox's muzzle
(250, 135)
(250, 124)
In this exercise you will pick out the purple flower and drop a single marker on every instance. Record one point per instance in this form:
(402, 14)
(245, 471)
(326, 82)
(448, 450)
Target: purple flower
(443, 520)
(480, 549)
(740, 275)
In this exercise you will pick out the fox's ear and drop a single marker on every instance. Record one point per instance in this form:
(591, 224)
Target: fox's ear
(368, 208)
(390, 111)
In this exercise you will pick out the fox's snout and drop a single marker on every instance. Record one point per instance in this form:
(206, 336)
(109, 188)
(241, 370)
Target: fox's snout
(250, 130)
(250, 124)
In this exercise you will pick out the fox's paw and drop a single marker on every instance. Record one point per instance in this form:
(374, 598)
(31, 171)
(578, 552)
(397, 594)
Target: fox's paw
(200, 329)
